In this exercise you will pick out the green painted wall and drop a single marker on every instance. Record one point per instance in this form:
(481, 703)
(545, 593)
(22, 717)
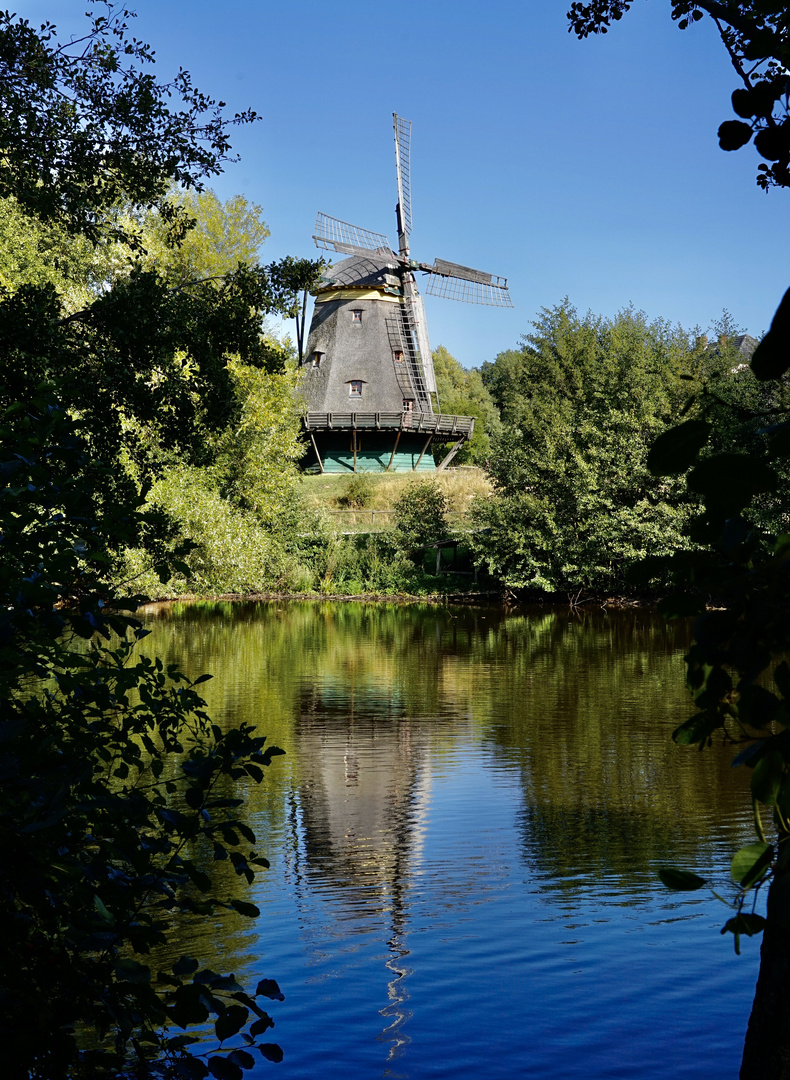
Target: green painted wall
(373, 453)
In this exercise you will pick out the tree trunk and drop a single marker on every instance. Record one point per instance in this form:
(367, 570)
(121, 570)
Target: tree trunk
(766, 1051)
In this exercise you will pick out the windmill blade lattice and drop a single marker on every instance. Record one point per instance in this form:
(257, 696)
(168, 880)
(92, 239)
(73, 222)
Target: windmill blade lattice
(403, 166)
(456, 282)
(333, 234)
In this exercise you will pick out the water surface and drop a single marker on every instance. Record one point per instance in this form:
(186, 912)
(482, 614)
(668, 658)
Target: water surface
(464, 837)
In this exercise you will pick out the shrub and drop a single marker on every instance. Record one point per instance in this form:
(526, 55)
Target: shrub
(358, 493)
(421, 514)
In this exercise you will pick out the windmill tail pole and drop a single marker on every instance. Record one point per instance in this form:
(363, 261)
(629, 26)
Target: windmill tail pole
(300, 324)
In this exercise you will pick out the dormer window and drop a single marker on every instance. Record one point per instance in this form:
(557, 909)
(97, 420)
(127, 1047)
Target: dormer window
(356, 315)
(398, 356)
(317, 358)
(408, 404)
(355, 388)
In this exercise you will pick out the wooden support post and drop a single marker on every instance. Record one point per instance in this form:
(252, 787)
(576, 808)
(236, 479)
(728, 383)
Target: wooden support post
(438, 558)
(449, 457)
(392, 455)
(315, 450)
(355, 449)
(422, 455)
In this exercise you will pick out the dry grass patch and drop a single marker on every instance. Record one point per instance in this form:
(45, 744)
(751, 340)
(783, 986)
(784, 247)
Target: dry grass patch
(379, 491)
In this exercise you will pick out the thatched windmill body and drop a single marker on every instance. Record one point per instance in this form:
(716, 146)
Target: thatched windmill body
(367, 373)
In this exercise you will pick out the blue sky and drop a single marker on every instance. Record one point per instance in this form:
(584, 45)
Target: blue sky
(582, 169)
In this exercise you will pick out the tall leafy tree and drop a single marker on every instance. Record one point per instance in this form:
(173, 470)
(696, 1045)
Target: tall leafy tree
(582, 401)
(462, 393)
(117, 793)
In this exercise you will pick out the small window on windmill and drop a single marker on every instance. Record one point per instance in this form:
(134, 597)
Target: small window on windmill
(356, 315)
(355, 388)
(398, 356)
(317, 358)
(408, 404)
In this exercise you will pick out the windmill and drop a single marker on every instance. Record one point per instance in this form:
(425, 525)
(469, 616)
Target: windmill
(367, 372)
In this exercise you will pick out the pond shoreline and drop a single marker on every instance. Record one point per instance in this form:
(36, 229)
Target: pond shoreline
(503, 598)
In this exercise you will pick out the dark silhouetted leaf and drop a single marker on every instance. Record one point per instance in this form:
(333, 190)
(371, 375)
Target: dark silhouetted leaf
(771, 358)
(269, 988)
(680, 880)
(746, 755)
(767, 778)
(730, 480)
(261, 1025)
(243, 908)
(242, 1058)
(191, 1068)
(733, 134)
(222, 1069)
(188, 1007)
(185, 965)
(743, 924)
(779, 440)
(757, 706)
(743, 104)
(271, 1051)
(231, 1021)
(676, 450)
(698, 729)
(782, 679)
(770, 143)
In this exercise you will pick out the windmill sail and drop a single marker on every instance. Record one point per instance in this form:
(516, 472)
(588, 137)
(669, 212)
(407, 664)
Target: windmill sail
(457, 282)
(333, 234)
(403, 167)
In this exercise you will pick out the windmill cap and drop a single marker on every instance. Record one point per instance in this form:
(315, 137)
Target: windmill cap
(361, 272)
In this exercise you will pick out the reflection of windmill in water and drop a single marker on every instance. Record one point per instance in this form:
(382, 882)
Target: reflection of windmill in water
(363, 800)
(367, 372)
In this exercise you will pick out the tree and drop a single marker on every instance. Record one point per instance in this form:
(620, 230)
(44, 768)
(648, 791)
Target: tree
(118, 794)
(756, 35)
(582, 400)
(223, 236)
(88, 127)
(462, 393)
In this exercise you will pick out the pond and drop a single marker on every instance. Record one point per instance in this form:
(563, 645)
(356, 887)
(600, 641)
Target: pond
(464, 835)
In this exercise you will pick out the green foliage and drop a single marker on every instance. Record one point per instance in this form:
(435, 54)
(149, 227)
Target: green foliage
(117, 792)
(118, 795)
(756, 36)
(421, 514)
(462, 393)
(372, 563)
(222, 236)
(574, 502)
(740, 642)
(93, 128)
(231, 549)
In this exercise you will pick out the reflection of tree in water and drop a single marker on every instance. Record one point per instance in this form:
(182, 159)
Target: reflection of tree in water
(591, 703)
(361, 761)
